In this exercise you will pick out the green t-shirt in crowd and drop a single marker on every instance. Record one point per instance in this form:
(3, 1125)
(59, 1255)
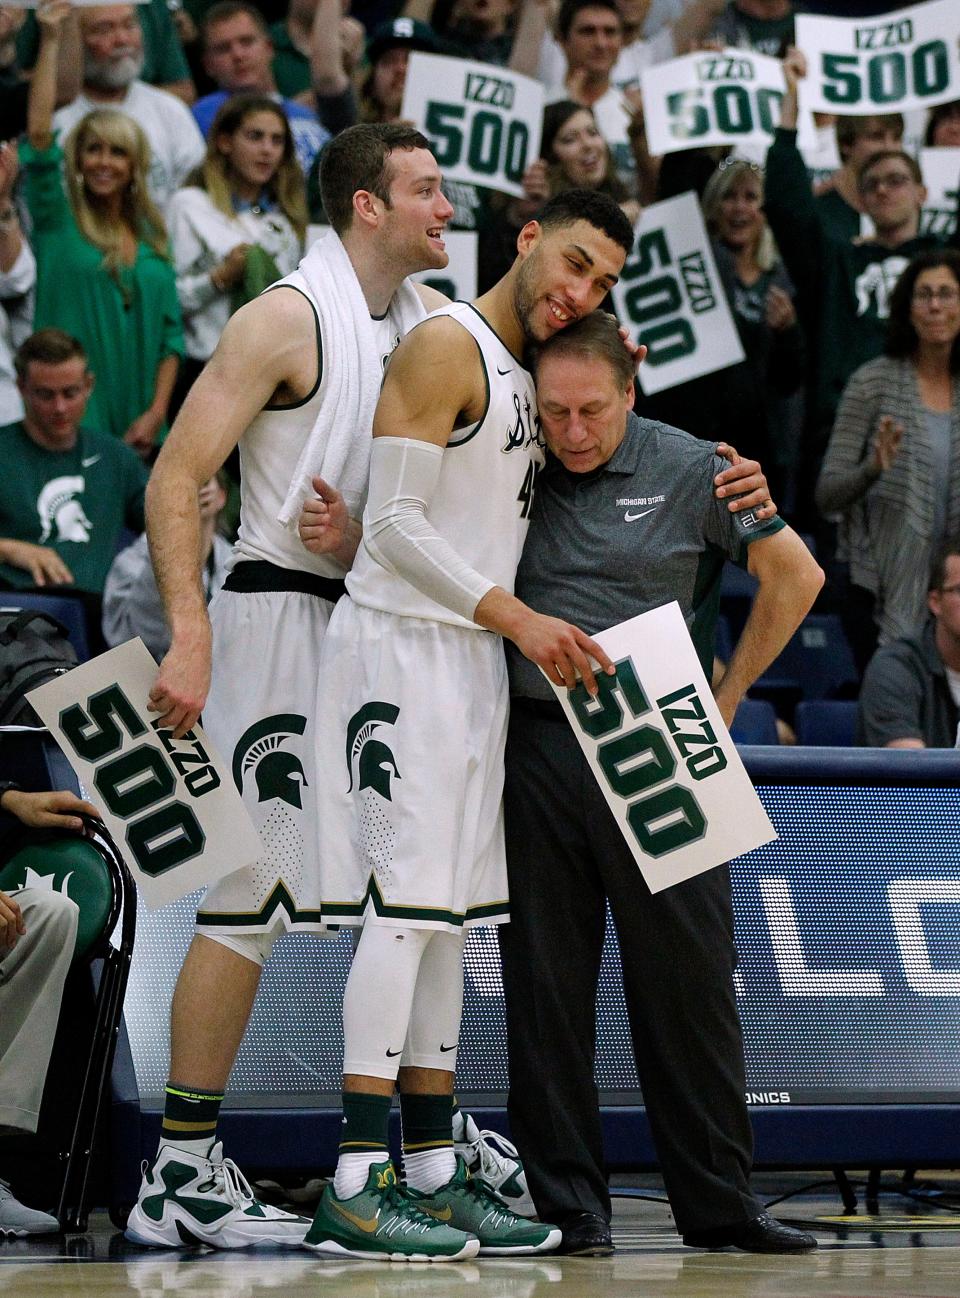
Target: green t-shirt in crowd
(291, 69)
(843, 288)
(77, 502)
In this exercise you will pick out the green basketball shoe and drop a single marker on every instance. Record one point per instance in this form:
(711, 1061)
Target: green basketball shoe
(469, 1205)
(382, 1223)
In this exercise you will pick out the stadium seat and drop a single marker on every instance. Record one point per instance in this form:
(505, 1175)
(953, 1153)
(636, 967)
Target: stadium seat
(817, 662)
(755, 723)
(826, 723)
(68, 611)
(91, 871)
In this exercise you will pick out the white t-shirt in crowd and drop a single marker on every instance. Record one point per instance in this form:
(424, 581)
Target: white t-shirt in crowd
(16, 324)
(200, 237)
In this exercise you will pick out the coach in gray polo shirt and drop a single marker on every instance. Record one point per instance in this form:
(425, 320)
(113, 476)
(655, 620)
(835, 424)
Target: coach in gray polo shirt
(625, 520)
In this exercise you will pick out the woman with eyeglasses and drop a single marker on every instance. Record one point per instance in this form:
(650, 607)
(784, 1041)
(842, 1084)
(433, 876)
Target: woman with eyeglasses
(892, 468)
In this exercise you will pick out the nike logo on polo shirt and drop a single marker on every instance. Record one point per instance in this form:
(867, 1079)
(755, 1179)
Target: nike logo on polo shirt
(632, 518)
(90, 459)
(445, 1049)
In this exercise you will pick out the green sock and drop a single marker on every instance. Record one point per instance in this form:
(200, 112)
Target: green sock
(363, 1141)
(366, 1120)
(190, 1118)
(428, 1157)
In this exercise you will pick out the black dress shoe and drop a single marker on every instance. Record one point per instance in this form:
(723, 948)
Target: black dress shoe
(585, 1235)
(761, 1235)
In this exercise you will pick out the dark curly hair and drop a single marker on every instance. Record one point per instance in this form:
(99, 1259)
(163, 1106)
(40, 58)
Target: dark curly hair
(598, 209)
(902, 338)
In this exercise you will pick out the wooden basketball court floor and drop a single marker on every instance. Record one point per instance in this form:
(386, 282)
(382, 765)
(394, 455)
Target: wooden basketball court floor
(906, 1250)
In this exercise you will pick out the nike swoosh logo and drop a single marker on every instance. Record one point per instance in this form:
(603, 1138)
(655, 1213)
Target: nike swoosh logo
(503, 372)
(392, 1054)
(438, 1214)
(90, 459)
(444, 1049)
(367, 1224)
(632, 518)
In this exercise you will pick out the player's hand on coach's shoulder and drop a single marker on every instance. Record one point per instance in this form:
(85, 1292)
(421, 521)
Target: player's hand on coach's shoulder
(183, 681)
(745, 482)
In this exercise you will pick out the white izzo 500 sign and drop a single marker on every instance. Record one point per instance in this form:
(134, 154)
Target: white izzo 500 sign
(666, 764)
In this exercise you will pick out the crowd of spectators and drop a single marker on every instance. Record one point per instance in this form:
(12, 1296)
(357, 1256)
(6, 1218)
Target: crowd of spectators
(159, 168)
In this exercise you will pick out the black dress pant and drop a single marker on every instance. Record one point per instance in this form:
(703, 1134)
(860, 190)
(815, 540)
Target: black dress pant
(566, 857)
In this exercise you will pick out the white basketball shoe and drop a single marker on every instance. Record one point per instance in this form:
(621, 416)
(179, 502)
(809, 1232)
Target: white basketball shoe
(186, 1199)
(492, 1159)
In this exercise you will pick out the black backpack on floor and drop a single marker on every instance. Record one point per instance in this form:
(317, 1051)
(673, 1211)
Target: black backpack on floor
(34, 648)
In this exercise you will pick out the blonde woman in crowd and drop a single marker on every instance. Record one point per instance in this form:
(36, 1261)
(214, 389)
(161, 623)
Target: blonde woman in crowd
(103, 271)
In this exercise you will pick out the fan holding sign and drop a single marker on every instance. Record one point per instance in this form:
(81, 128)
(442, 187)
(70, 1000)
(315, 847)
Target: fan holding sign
(625, 522)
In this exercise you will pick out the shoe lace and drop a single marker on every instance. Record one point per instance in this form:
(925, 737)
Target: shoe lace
(231, 1183)
(396, 1198)
(493, 1160)
(498, 1211)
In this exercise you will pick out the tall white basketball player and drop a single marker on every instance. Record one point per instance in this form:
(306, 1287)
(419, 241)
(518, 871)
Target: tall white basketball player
(276, 381)
(413, 689)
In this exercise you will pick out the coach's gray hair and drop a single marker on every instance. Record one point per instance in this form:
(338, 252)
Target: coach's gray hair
(596, 337)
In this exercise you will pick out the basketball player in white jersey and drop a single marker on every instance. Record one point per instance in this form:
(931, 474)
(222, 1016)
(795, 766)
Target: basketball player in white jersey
(414, 687)
(264, 388)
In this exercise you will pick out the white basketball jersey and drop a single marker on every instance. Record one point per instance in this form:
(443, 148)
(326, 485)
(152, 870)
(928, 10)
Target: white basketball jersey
(484, 496)
(270, 450)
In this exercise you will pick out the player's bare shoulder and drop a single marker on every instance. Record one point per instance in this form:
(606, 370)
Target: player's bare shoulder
(437, 368)
(276, 335)
(431, 298)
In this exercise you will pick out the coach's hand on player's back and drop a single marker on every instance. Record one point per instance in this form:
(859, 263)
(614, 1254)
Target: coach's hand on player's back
(183, 682)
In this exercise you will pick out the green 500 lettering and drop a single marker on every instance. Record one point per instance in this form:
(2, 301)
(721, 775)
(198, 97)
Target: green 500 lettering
(140, 780)
(636, 763)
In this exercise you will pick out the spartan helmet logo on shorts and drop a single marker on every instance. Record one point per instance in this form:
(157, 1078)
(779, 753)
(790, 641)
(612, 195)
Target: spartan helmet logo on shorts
(59, 509)
(278, 772)
(371, 758)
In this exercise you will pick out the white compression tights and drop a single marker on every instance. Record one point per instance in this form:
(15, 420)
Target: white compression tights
(403, 1001)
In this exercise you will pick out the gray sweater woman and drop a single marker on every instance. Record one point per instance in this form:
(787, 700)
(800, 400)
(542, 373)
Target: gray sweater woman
(892, 521)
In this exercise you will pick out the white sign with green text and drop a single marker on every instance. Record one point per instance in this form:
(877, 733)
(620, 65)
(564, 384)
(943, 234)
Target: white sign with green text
(712, 97)
(664, 760)
(170, 804)
(670, 298)
(888, 64)
(941, 177)
(483, 122)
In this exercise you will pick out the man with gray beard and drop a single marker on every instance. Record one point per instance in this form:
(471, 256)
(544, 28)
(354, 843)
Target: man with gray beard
(112, 62)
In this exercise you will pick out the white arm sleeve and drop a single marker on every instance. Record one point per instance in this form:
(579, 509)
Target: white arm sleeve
(399, 535)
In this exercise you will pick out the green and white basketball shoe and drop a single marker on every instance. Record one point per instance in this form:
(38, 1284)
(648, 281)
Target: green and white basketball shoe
(468, 1204)
(382, 1222)
(186, 1199)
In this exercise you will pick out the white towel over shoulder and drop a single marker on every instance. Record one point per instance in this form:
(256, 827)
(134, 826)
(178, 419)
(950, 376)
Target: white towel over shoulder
(338, 446)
